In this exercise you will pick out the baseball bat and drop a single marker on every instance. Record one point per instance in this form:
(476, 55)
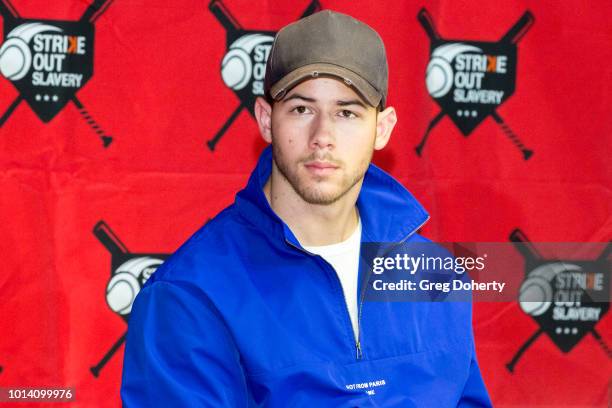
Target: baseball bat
(95, 370)
(524, 347)
(8, 11)
(311, 9)
(524, 246)
(105, 138)
(518, 30)
(432, 124)
(223, 15)
(212, 143)
(427, 22)
(513, 35)
(10, 109)
(527, 153)
(109, 239)
(95, 10)
(602, 343)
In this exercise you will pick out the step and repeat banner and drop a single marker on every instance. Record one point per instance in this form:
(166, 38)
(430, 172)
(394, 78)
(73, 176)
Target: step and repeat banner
(125, 125)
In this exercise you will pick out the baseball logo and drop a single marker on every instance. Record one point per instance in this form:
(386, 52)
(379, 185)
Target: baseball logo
(536, 293)
(470, 80)
(129, 273)
(565, 298)
(238, 66)
(127, 281)
(49, 61)
(15, 53)
(439, 75)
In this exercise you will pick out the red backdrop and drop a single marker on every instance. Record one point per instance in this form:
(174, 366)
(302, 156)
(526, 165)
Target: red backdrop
(129, 148)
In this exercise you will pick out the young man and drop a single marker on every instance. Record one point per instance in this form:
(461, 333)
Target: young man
(262, 306)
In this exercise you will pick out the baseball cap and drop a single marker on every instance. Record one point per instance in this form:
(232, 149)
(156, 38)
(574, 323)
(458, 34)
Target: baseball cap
(328, 43)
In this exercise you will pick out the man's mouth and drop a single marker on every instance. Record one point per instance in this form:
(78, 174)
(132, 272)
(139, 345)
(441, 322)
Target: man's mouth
(317, 167)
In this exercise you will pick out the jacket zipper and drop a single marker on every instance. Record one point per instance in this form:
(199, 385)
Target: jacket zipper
(356, 339)
(363, 290)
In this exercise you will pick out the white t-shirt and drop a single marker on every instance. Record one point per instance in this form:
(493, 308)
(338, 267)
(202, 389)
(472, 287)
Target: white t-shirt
(344, 257)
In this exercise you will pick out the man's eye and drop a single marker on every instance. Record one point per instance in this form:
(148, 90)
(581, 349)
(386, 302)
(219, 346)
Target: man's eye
(347, 114)
(300, 109)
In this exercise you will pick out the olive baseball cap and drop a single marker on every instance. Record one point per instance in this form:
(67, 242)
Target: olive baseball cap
(328, 43)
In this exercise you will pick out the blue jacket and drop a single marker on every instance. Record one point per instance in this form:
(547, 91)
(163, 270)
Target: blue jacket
(242, 316)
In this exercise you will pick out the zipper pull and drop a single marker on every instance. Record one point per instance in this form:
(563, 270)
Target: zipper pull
(359, 354)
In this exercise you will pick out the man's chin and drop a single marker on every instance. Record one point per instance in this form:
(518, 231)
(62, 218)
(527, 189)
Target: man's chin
(320, 195)
(320, 199)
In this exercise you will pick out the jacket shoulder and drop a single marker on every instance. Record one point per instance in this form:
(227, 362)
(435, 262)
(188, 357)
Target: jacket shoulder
(209, 250)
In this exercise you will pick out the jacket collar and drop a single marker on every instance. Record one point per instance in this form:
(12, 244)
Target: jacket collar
(389, 213)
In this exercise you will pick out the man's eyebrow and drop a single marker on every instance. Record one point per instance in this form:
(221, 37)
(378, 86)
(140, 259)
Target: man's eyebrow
(351, 102)
(341, 102)
(298, 96)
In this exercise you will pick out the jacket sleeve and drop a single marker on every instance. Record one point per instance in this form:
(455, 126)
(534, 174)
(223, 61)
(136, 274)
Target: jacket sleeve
(179, 352)
(475, 392)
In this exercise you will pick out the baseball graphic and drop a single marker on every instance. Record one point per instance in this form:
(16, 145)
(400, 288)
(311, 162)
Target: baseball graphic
(535, 296)
(15, 59)
(236, 69)
(15, 54)
(536, 292)
(469, 80)
(565, 298)
(439, 75)
(129, 274)
(125, 284)
(237, 64)
(49, 61)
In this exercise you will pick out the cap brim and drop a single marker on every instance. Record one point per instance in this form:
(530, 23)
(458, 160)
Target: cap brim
(350, 78)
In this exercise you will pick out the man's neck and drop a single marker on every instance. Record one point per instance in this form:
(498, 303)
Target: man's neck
(312, 224)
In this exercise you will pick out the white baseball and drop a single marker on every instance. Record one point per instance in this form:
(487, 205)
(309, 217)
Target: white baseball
(535, 296)
(236, 69)
(119, 297)
(121, 292)
(439, 77)
(15, 59)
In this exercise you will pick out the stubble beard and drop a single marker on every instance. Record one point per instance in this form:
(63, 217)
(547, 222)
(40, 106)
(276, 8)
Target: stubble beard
(310, 192)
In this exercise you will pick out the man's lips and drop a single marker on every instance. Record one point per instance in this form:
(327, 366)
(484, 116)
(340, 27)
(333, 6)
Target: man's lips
(320, 167)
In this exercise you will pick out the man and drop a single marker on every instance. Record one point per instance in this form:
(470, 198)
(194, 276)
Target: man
(262, 306)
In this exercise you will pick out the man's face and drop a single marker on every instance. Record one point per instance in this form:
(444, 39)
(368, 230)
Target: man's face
(323, 138)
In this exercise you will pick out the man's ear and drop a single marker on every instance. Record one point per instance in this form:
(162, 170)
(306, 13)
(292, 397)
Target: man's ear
(385, 123)
(263, 115)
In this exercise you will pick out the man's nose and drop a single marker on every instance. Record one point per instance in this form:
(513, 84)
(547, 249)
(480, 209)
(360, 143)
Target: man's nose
(322, 133)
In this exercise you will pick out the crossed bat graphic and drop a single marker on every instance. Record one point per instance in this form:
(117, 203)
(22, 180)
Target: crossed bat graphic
(511, 38)
(231, 25)
(532, 256)
(120, 254)
(91, 14)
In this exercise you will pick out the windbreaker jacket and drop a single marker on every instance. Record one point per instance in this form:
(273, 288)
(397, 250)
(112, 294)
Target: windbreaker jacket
(242, 316)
